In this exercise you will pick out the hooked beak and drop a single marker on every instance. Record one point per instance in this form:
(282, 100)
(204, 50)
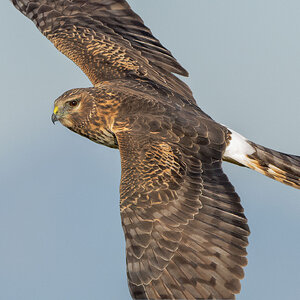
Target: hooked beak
(54, 118)
(54, 115)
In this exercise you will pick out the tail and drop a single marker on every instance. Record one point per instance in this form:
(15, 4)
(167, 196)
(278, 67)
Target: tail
(276, 165)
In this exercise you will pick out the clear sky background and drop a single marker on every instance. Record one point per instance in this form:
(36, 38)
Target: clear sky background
(60, 230)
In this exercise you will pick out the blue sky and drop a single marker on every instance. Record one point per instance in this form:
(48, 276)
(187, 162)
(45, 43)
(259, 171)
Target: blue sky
(61, 236)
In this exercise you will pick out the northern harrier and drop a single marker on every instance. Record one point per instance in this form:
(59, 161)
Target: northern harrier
(185, 230)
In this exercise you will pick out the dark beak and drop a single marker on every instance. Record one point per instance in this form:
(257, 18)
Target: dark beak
(54, 118)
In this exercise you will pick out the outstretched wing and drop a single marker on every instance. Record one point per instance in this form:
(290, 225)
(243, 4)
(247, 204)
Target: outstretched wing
(184, 226)
(106, 39)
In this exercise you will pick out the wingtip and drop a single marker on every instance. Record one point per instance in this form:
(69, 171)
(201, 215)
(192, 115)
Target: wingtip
(185, 73)
(181, 71)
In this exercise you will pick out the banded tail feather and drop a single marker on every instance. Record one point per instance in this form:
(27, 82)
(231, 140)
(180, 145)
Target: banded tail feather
(274, 164)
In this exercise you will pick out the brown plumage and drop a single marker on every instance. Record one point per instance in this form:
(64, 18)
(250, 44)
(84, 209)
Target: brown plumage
(185, 230)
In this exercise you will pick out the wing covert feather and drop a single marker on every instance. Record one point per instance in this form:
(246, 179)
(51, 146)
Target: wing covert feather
(185, 231)
(106, 39)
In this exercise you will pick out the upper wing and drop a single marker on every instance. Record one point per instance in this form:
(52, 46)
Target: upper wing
(184, 226)
(106, 39)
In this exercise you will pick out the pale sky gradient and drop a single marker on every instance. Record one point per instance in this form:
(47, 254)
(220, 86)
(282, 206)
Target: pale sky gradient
(60, 230)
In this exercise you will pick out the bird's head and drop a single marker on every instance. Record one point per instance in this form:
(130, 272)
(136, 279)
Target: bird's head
(74, 108)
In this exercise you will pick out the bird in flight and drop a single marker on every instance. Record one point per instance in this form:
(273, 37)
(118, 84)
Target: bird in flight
(185, 229)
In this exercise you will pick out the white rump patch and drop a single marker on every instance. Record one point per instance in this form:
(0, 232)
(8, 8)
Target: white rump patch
(238, 149)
